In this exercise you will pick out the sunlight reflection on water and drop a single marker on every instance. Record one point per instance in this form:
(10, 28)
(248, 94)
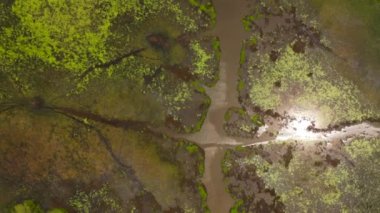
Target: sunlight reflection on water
(297, 127)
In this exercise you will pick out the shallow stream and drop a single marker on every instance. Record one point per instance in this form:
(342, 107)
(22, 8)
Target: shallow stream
(224, 95)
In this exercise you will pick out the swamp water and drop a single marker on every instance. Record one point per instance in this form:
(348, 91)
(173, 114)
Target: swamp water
(224, 95)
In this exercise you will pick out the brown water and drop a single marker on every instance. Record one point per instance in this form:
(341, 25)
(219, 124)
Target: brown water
(224, 95)
(230, 31)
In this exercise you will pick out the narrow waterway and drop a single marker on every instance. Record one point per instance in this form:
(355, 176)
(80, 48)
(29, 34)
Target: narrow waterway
(230, 31)
(224, 95)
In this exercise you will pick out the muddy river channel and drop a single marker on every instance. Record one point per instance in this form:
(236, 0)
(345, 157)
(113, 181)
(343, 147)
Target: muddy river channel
(224, 95)
(189, 106)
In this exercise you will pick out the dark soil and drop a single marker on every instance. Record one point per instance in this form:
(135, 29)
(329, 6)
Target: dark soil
(159, 41)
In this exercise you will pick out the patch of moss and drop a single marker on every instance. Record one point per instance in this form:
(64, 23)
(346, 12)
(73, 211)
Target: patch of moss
(26, 207)
(205, 7)
(216, 47)
(247, 21)
(227, 115)
(336, 98)
(240, 148)
(175, 99)
(198, 87)
(202, 119)
(89, 201)
(252, 40)
(195, 150)
(241, 85)
(241, 112)
(257, 120)
(201, 167)
(192, 148)
(57, 211)
(30, 206)
(202, 60)
(243, 55)
(236, 208)
(203, 194)
(226, 164)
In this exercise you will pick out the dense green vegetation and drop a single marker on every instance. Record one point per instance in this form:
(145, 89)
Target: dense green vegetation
(52, 47)
(84, 86)
(237, 122)
(311, 60)
(307, 56)
(331, 180)
(337, 99)
(89, 202)
(29, 206)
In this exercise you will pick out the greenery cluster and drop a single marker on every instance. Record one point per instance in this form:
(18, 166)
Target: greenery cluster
(351, 186)
(177, 98)
(73, 37)
(201, 116)
(247, 21)
(243, 56)
(46, 46)
(236, 208)
(192, 148)
(226, 162)
(246, 123)
(203, 194)
(205, 7)
(29, 206)
(75, 55)
(307, 83)
(88, 202)
(257, 120)
(201, 60)
(216, 48)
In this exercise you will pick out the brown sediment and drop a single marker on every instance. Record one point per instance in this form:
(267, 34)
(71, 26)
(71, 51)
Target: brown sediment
(332, 161)
(277, 84)
(274, 55)
(158, 41)
(180, 72)
(185, 39)
(37, 102)
(299, 46)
